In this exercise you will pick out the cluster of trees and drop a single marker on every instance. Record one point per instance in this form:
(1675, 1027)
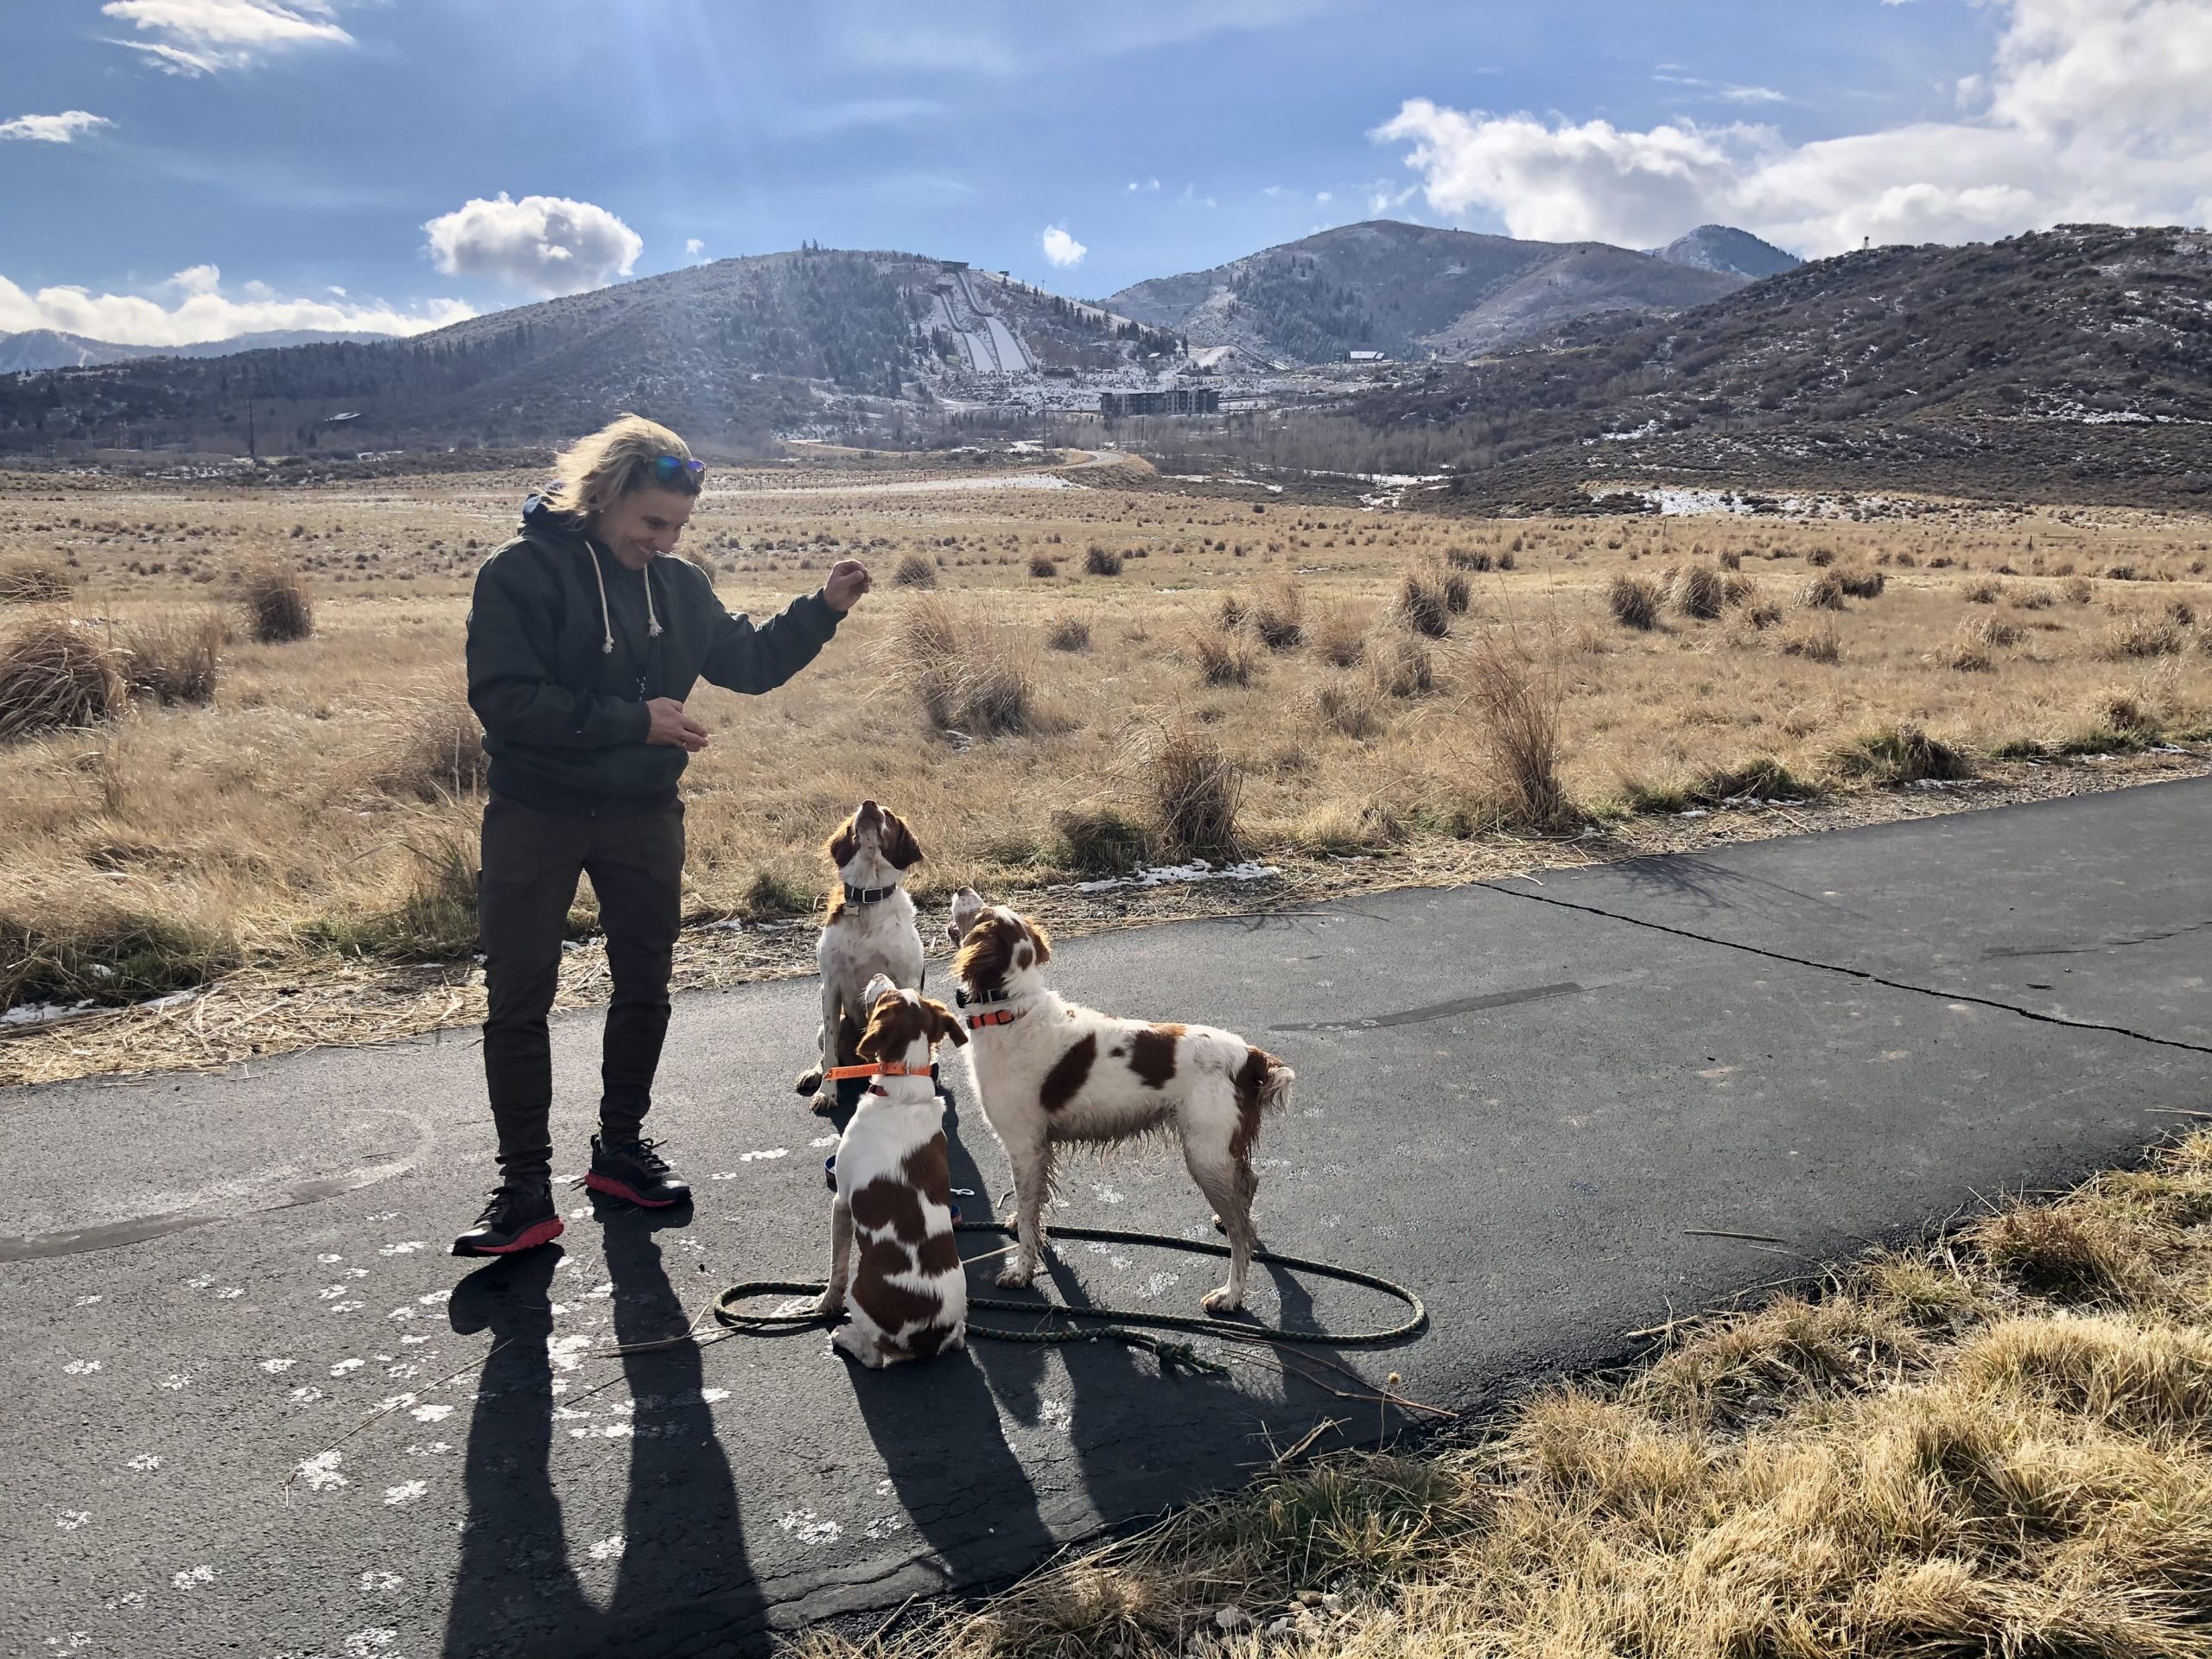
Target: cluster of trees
(1300, 311)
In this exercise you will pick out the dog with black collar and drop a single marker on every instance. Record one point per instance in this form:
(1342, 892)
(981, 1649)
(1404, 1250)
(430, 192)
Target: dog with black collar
(869, 930)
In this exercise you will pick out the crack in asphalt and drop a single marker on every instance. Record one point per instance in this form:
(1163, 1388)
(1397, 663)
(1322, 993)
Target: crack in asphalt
(1860, 974)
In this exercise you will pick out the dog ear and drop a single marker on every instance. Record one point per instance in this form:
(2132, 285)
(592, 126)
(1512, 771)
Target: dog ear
(875, 989)
(1040, 939)
(944, 1023)
(842, 845)
(898, 843)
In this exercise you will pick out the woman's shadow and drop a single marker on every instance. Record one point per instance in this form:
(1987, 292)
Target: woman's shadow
(684, 1566)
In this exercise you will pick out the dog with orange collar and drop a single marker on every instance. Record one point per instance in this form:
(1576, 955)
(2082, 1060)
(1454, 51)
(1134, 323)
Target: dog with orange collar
(906, 1297)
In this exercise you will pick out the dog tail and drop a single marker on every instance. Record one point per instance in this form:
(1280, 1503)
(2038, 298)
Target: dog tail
(1263, 1084)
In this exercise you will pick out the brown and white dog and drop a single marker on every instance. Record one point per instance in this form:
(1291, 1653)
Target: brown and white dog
(908, 1297)
(869, 930)
(1047, 1072)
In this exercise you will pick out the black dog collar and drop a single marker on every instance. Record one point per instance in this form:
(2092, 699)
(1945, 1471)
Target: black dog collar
(980, 999)
(866, 895)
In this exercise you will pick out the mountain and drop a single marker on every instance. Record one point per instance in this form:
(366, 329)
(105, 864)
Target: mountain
(1409, 290)
(37, 349)
(725, 351)
(1732, 253)
(49, 349)
(2073, 363)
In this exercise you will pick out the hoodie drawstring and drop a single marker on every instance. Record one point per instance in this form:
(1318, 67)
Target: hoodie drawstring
(607, 616)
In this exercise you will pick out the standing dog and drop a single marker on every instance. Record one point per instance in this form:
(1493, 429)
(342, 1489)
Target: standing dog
(870, 931)
(908, 1298)
(1047, 1071)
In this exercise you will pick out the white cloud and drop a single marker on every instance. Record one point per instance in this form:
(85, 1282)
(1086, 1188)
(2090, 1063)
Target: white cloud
(548, 244)
(2092, 110)
(60, 129)
(694, 249)
(1062, 249)
(202, 312)
(199, 37)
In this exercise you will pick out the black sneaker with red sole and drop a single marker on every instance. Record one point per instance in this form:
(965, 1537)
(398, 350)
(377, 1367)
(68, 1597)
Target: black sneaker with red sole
(517, 1219)
(634, 1171)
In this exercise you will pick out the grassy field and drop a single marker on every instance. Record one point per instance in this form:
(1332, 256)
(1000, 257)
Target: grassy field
(1993, 1444)
(1056, 677)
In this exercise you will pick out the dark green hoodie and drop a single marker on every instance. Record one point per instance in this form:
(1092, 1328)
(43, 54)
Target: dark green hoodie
(560, 669)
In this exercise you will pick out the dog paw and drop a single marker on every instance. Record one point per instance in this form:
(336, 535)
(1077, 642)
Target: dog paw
(829, 1305)
(1016, 1276)
(809, 1083)
(1221, 1301)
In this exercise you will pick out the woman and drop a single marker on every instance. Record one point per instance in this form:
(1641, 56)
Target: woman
(585, 639)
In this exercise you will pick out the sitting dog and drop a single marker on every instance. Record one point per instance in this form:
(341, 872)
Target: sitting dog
(870, 931)
(908, 1300)
(1047, 1071)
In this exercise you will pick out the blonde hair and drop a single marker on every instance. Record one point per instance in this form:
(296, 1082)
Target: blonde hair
(614, 461)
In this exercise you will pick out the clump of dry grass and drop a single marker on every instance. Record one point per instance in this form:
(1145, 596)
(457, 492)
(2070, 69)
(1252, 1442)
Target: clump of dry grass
(1278, 616)
(2039, 596)
(55, 675)
(1042, 565)
(436, 755)
(915, 570)
(1988, 1444)
(1982, 590)
(1468, 558)
(1513, 680)
(1196, 794)
(971, 676)
(1069, 633)
(1815, 641)
(2142, 634)
(1973, 648)
(34, 581)
(1100, 561)
(1402, 666)
(2079, 590)
(1222, 658)
(1346, 704)
(1339, 638)
(1459, 595)
(1697, 591)
(1422, 604)
(1903, 753)
(1823, 593)
(1634, 601)
(277, 606)
(174, 659)
(1862, 581)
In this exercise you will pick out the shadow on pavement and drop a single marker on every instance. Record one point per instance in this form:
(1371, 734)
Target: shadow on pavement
(513, 1587)
(685, 1573)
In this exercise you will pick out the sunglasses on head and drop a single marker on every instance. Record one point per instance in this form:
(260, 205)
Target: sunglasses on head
(668, 468)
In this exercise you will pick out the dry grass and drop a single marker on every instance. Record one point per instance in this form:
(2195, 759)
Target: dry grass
(1991, 1445)
(278, 607)
(1697, 591)
(1422, 605)
(290, 808)
(1102, 560)
(1223, 658)
(972, 675)
(175, 658)
(1278, 617)
(1634, 601)
(914, 570)
(1514, 686)
(1197, 795)
(55, 675)
(34, 581)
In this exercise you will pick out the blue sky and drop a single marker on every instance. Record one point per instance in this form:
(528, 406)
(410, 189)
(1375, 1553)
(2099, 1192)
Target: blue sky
(179, 168)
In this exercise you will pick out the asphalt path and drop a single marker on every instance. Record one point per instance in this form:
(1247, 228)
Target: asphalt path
(1534, 1102)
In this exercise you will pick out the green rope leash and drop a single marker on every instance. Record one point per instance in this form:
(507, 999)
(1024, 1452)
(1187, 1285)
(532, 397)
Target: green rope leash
(1115, 1328)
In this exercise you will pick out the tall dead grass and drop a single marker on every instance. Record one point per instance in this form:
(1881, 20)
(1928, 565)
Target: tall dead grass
(971, 674)
(1198, 793)
(1990, 1445)
(278, 608)
(55, 674)
(175, 658)
(1514, 684)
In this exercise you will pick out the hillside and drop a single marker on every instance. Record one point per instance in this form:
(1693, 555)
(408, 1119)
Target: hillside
(1732, 253)
(37, 349)
(725, 351)
(1409, 290)
(2074, 362)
